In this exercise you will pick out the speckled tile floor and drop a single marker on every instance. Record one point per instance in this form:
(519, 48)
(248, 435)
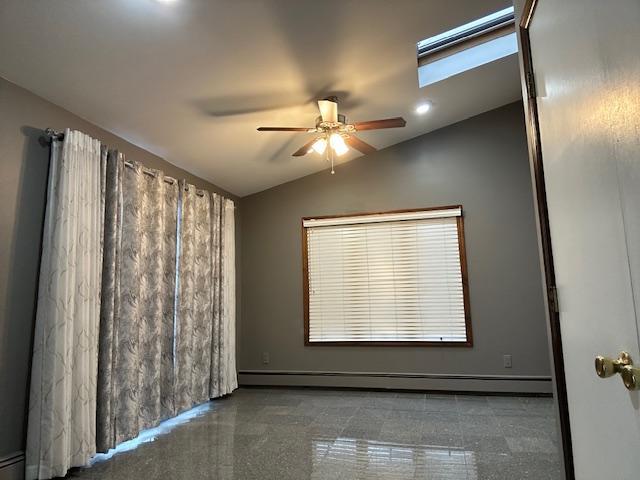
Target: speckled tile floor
(331, 434)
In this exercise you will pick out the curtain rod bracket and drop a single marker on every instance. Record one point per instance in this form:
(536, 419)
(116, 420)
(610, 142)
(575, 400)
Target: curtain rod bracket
(53, 135)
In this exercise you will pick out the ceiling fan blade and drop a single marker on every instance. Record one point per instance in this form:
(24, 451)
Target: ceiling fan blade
(364, 147)
(376, 124)
(303, 150)
(328, 110)
(285, 129)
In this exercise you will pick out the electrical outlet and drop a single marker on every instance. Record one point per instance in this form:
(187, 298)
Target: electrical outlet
(507, 361)
(265, 358)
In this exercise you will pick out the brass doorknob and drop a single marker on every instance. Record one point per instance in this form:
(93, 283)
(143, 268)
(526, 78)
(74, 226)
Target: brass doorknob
(606, 367)
(630, 377)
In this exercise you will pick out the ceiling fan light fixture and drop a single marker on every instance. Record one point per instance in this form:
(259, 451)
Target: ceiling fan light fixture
(334, 136)
(337, 143)
(320, 145)
(341, 150)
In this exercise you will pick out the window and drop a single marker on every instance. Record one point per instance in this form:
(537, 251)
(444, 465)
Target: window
(466, 47)
(393, 278)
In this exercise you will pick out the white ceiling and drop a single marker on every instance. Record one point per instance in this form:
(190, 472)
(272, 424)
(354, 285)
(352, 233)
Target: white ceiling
(191, 80)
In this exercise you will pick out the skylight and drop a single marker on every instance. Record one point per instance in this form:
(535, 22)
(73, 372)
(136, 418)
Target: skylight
(466, 47)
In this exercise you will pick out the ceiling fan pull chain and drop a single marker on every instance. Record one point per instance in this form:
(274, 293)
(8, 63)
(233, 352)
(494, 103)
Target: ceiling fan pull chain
(331, 157)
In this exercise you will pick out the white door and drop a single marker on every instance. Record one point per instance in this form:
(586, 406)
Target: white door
(586, 61)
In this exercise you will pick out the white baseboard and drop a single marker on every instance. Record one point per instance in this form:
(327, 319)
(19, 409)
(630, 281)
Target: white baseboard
(12, 466)
(399, 381)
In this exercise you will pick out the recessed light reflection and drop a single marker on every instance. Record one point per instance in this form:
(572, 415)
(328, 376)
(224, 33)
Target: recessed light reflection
(423, 108)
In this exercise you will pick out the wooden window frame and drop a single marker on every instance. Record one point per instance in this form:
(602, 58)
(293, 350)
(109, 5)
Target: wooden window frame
(393, 343)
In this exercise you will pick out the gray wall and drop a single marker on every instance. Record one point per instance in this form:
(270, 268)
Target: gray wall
(481, 163)
(23, 178)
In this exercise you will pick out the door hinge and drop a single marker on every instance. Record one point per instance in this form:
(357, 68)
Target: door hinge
(553, 299)
(531, 85)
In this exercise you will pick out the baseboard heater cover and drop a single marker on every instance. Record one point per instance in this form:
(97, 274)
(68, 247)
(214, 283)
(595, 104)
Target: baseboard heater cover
(437, 376)
(12, 466)
(432, 382)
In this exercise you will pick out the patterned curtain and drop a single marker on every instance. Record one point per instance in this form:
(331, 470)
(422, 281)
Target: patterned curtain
(103, 370)
(205, 326)
(224, 379)
(135, 371)
(61, 428)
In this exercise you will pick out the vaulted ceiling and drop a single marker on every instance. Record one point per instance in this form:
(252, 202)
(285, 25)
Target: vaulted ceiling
(190, 80)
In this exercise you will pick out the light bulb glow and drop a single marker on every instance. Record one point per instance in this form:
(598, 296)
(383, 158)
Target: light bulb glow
(337, 143)
(341, 149)
(320, 145)
(423, 108)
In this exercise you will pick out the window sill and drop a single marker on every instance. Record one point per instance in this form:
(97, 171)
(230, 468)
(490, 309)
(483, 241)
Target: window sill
(467, 344)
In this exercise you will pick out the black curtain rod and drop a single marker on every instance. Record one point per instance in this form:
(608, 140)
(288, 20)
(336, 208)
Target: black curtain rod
(53, 135)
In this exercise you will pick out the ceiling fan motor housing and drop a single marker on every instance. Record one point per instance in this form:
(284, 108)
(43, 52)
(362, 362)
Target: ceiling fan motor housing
(342, 120)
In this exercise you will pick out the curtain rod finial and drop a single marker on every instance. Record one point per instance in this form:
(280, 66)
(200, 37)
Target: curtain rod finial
(53, 135)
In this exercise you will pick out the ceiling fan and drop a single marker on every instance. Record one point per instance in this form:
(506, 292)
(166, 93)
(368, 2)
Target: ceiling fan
(335, 135)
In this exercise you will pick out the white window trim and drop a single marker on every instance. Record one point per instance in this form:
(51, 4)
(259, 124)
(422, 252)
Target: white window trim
(383, 217)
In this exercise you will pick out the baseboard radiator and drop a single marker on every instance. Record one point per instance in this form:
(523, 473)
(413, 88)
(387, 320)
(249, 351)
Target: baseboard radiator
(516, 384)
(12, 466)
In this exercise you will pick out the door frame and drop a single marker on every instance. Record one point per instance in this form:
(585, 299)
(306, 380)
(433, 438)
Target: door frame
(544, 236)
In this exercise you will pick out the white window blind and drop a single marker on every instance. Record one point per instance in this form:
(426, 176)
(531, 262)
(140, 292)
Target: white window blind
(385, 278)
